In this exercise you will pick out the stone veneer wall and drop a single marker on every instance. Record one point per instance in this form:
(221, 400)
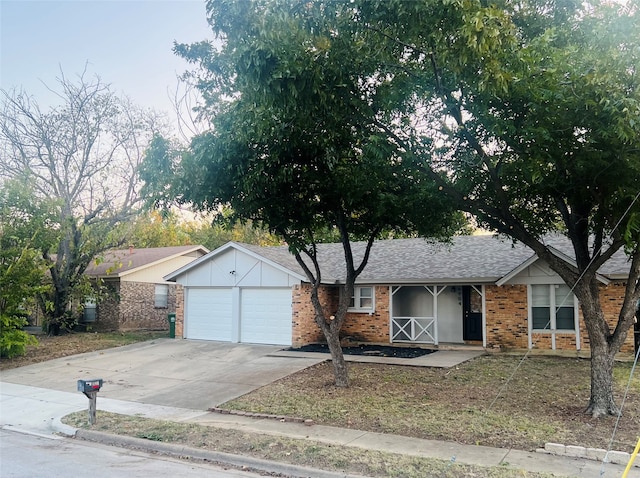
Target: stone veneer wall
(357, 327)
(108, 310)
(138, 310)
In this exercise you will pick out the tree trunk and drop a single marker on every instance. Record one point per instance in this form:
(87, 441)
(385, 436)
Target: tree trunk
(331, 329)
(601, 402)
(332, 334)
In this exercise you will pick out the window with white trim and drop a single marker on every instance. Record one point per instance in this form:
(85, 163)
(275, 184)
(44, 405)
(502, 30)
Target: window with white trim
(161, 300)
(89, 313)
(362, 299)
(552, 307)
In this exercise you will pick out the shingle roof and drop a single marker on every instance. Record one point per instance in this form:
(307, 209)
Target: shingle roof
(115, 263)
(466, 259)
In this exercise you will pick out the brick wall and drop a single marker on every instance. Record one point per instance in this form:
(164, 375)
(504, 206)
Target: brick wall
(131, 306)
(611, 299)
(357, 327)
(363, 327)
(179, 311)
(304, 328)
(506, 312)
(507, 320)
(108, 310)
(506, 309)
(137, 308)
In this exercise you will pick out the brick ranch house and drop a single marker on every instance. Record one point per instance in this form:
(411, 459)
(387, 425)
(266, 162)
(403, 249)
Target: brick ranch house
(479, 290)
(138, 297)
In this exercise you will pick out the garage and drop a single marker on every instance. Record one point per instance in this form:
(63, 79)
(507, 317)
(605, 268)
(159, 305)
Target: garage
(265, 316)
(233, 294)
(209, 315)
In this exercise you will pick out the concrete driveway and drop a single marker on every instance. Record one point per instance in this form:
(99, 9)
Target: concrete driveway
(178, 373)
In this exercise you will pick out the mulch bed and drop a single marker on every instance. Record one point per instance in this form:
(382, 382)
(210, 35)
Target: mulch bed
(370, 350)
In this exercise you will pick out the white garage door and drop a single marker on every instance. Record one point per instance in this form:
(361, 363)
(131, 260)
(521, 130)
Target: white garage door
(208, 314)
(265, 316)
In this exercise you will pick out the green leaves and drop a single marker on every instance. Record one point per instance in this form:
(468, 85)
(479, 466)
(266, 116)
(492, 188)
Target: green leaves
(301, 146)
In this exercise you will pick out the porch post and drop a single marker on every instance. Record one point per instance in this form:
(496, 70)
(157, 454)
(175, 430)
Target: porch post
(484, 316)
(391, 292)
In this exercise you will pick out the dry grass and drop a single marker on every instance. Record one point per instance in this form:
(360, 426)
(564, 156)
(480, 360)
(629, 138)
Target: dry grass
(543, 402)
(298, 452)
(49, 348)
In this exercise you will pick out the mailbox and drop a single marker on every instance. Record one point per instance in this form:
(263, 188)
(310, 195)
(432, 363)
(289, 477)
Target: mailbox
(87, 386)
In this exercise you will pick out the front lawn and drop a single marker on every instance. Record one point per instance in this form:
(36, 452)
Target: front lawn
(543, 402)
(50, 348)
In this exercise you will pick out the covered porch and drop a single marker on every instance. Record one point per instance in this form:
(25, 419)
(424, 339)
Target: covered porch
(435, 314)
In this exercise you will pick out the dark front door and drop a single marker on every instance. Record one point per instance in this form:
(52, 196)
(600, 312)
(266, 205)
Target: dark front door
(472, 314)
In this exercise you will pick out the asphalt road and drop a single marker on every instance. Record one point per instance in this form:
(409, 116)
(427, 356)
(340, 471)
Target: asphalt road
(31, 456)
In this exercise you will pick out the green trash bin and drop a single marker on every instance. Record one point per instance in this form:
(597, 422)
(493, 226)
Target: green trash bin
(172, 325)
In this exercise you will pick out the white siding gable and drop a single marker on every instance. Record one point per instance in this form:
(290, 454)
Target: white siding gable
(537, 273)
(235, 268)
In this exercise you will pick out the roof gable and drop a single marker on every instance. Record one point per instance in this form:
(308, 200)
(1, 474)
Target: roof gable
(120, 263)
(234, 264)
(534, 259)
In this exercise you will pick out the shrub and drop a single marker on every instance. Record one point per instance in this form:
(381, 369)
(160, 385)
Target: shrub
(13, 340)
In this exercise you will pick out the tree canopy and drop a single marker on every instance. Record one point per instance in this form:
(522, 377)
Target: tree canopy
(296, 143)
(532, 108)
(524, 113)
(83, 156)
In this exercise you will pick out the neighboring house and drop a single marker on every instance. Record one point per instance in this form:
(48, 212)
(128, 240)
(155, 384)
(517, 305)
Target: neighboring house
(479, 290)
(139, 297)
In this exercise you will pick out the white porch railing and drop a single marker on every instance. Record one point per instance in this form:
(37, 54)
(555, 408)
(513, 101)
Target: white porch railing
(414, 329)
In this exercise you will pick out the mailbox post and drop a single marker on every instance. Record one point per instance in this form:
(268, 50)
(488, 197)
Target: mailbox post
(90, 388)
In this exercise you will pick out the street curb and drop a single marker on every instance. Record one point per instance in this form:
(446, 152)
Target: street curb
(63, 429)
(595, 454)
(181, 451)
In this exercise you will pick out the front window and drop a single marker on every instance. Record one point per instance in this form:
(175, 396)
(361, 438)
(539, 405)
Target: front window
(552, 307)
(362, 299)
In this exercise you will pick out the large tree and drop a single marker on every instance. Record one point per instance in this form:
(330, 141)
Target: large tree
(83, 154)
(533, 109)
(295, 143)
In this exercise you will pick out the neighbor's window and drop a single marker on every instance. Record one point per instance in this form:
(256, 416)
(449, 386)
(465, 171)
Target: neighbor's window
(162, 296)
(362, 299)
(90, 309)
(552, 307)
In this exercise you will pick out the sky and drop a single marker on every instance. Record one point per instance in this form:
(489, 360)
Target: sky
(127, 43)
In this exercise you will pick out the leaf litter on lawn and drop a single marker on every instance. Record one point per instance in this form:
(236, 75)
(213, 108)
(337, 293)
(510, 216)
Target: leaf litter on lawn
(286, 450)
(543, 402)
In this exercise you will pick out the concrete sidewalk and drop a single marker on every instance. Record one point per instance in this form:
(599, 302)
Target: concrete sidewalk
(37, 410)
